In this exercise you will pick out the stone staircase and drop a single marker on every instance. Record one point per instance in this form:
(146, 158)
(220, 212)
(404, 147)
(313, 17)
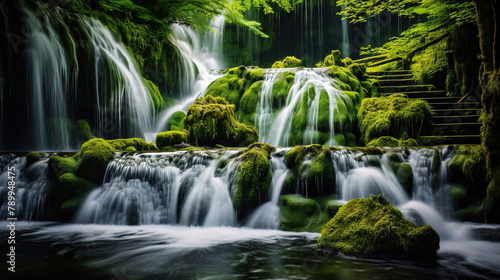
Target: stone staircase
(454, 122)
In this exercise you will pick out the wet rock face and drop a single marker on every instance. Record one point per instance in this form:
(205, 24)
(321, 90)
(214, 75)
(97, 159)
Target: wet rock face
(372, 227)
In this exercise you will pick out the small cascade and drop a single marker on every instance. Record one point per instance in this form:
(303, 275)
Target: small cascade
(305, 94)
(31, 188)
(163, 188)
(264, 113)
(267, 216)
(121, 93)
(48, 83)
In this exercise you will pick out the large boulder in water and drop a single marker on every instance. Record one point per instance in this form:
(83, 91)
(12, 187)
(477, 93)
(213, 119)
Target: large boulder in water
(372, 227)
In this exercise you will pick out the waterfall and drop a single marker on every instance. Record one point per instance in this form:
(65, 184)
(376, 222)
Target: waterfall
(200, 55)
(48, 83)
(268, 215)
(31, 188)
(309, 85)
(121, 93)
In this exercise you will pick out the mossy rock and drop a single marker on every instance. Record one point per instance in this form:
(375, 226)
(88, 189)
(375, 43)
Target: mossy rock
(317, 177)
(347, 61)
(74, 185)
(372, 227)
(248, 103)
(396, 116)
(70, 207)
(404, 174)
(155, 94)
(83, 131)
(389, 141)
(95, 155)
(335, 58)
(211, 120)
(298, 213)
(171, 138)
(254, 178)
(176, 121)
(33, 157)
(137, 144)
(288, 62)
(359, 70)
(471, 213)
(459, 196)
(281, 87)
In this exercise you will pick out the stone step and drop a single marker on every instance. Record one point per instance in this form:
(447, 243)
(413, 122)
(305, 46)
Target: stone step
(420, 94)
(389, 72)
(444, 99)
(392, 77)
(456, 128)
(456, 119)
(454, 105)
(396, 82)
(455, 112)
(406, 88)
(448, 140)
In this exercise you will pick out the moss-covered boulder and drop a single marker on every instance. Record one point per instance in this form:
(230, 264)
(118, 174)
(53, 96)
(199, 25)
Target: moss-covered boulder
(403, 172)
(132, 145)
(335, 58)
(176, 121)
(304, 214)
(372, 227)
(94, 158)
(170, 138)
(211, 120)
(288, 62)
(33, 157)
(311, 168)
(397, 116)
(254, 178)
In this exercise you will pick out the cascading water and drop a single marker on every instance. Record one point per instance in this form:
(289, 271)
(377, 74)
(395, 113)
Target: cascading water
(200, 55)
(48, 83)
(345, 35)
(121, 93)
(268, 215)
(308, 85)
(31, 188)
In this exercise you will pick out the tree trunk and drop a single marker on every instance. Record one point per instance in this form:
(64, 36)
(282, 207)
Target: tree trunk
(489, 76)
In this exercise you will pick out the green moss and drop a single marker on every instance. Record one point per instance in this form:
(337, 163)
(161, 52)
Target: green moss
(389, 141)
(211, 120)
(281, 87)
(83, 130)
(75, 185)
(254, 178)
(33, 157)
(470, 214)
(298, 213)
(137, 144)
(69, 208)
(170, 138)
(288, 62)
(95, 155)
(176, 121)
(459, 196)
(248, 103)
(358, 70)
(334, 59)
(347, 61)
(404, 174)
(373, 227)
(155, 94)
(396, 116)
(64, 164)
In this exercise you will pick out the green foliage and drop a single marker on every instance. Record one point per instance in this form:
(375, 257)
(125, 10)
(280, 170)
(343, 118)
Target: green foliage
(254, 178)
(95, 155)
(373, 227)
(137, 144)
(288, 62)
(395, 115)
(170, 138)
(211, 120)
